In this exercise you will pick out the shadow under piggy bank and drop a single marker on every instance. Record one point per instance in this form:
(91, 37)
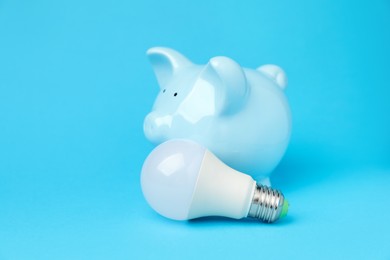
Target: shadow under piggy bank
(302, 168)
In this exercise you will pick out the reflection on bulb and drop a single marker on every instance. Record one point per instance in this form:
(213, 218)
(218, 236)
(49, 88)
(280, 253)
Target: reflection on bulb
(183, 180)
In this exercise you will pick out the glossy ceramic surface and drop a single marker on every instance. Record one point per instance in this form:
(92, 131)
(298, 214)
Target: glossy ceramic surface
(240, 114)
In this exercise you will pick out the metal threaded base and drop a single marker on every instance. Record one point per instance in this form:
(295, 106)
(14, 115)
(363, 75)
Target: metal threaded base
(266, 204)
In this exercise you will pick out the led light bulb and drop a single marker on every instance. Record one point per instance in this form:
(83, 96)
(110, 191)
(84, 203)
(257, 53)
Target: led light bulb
(182, 180)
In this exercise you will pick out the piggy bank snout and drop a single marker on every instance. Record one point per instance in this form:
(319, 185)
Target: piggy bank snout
(156, 127)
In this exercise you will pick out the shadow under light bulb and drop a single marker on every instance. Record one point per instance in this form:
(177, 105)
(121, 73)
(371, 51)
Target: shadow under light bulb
(182, 180)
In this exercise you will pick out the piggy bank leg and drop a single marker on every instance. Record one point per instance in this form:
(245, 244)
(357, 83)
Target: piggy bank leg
(264, 181)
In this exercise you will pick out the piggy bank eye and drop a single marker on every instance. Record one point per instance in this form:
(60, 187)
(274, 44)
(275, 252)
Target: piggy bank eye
(163, 91)
(175, 94)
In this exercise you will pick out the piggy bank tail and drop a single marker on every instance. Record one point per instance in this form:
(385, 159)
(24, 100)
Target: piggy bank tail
(276, 73)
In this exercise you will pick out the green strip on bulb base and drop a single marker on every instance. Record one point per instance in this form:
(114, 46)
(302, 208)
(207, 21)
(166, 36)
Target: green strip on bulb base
(284, 209)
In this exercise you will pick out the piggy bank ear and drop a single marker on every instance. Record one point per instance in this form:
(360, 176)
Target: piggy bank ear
(229, 80)
(166, 62)
(275, 73)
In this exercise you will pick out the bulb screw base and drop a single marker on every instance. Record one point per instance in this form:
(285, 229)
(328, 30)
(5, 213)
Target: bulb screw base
(267, 204)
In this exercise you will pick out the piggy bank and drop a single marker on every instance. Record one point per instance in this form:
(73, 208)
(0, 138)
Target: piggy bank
(239, 114)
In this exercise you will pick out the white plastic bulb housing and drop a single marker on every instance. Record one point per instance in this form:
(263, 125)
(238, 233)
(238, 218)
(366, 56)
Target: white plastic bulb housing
(182, 180)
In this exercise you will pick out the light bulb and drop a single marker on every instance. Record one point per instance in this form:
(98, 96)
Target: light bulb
(182, 180)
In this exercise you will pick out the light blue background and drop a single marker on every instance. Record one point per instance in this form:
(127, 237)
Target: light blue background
(75, 85)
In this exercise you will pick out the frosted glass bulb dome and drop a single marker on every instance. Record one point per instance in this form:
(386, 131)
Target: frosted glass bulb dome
(182, 180)
(169, 176)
